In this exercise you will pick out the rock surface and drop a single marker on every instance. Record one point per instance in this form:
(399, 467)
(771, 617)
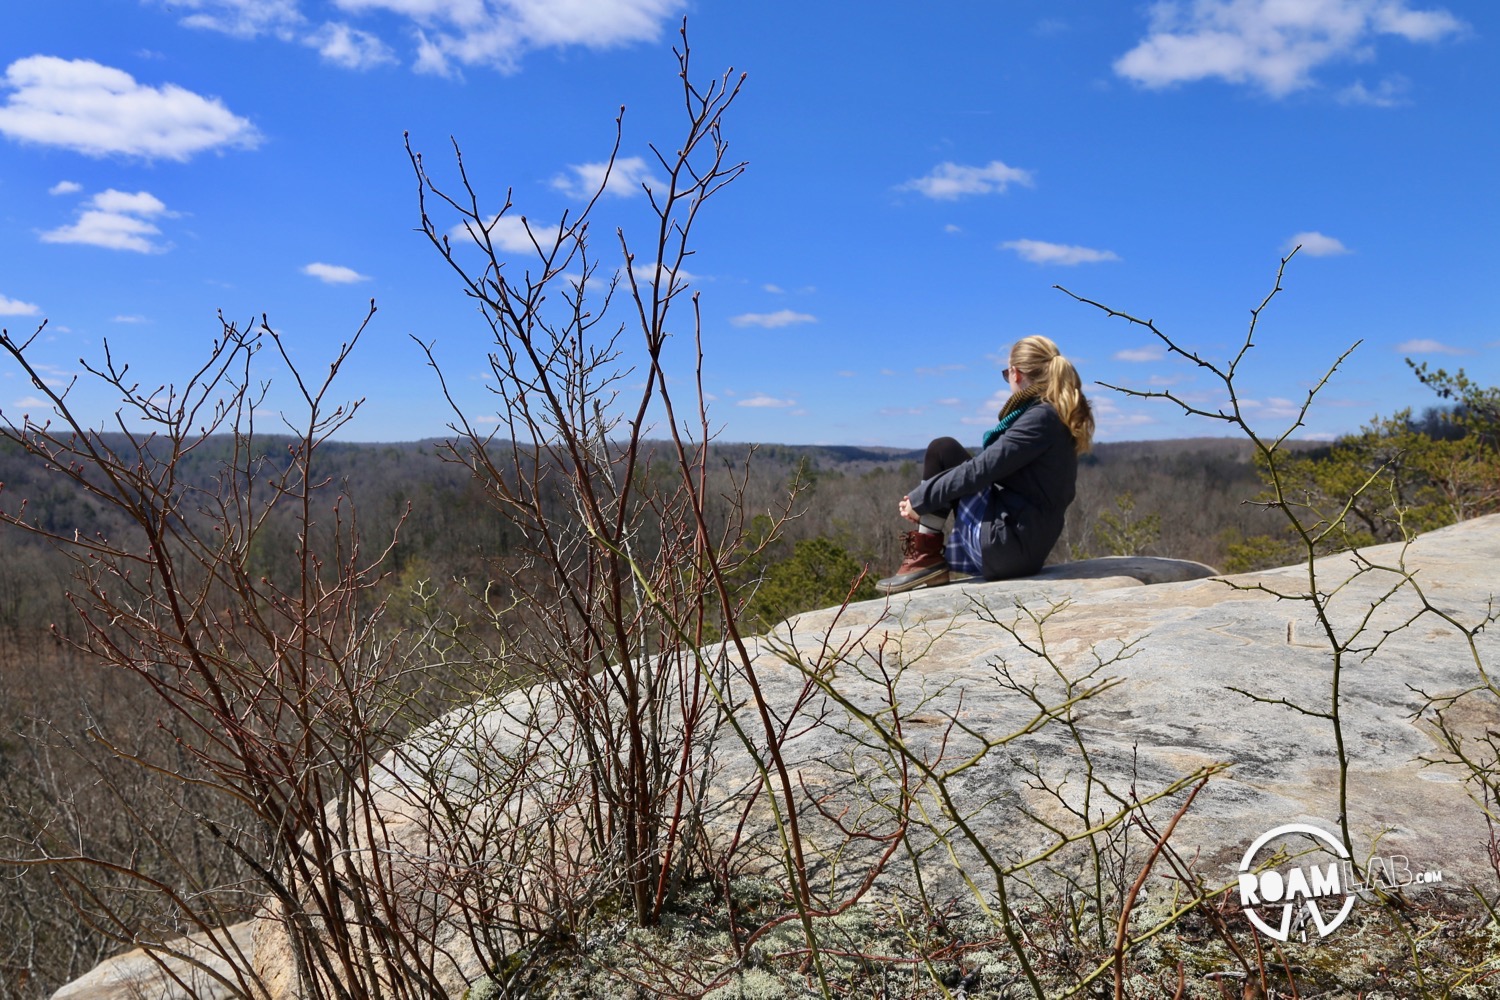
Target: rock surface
(1191, 643)
(196, 971)
(1176, 642)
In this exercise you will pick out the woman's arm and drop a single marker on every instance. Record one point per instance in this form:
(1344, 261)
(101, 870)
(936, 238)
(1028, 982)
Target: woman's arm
(1033, 433)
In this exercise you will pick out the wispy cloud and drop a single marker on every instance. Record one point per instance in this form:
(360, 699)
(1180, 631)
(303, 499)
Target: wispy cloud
(660, 273)
(1270, 44)
(929, 370)
(781, 317)
(1388, 93)
(1110, 416)
(1151, 352)
(761, 400)
(1039, 252)
(349, 47)
(65, 187)
(100, 111)
(1273, 408)
(989, 411)
(242, 18)
(52, 376)
(1315, 244)
(129, 320)
(15, 307)
(447, 34)
(1426, 345)
(626, 178)
(950, 181)
(334, 274)
(509, 233)
(115, 220)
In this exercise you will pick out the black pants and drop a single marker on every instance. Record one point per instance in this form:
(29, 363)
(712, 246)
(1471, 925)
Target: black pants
(943, 453)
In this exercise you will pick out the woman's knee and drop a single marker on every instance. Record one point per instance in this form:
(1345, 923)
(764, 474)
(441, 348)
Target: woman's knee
(942, 454)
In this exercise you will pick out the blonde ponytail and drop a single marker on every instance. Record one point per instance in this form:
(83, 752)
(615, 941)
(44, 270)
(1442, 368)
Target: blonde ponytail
(1044, 365)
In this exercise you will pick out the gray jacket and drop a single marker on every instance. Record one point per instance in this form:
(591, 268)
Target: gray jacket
(1033, 468)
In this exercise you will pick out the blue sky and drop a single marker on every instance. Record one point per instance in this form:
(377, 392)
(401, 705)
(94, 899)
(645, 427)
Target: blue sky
(917, 183)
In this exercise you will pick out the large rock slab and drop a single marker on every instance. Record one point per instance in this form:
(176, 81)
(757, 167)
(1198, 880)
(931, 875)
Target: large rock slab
(190, 967)
(1212, 669)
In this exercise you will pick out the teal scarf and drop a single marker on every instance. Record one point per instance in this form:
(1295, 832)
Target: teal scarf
(1017, 404)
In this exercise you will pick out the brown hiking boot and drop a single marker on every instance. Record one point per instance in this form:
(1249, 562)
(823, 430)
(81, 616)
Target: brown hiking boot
(922, 564)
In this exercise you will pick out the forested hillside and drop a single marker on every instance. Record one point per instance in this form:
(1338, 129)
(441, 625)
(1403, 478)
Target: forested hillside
(444, 528)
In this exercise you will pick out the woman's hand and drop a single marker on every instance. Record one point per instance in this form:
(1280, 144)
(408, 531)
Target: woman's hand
(907, 512)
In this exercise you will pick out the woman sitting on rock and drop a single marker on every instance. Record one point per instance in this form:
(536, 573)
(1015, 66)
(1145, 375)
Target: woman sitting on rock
(1008, 501)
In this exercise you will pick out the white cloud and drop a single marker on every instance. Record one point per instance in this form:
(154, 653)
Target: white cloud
(643, 275)
(52, 376)
(931, 370)
(1315, 244)
(988, 411)
(1393, 18)
(124, 203)
(349, 47)
(131, 319)
(115, 220)
(781, 317)
(1039, 252)
(951, 228)
(1110, 416)
(497, 33)
(507, 232)
(97, 110)
(15, 307)
(242, 18)
(334, 274)
(1389, 93)
(763, 401)
(773, 289)
(1151, 352)
(430, 58)
(948, 181)
(1273, 44)
(623, 179)
(65, 187)
(31, 403)
(1274, 408)
(1125, 421)
(1426, 345)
